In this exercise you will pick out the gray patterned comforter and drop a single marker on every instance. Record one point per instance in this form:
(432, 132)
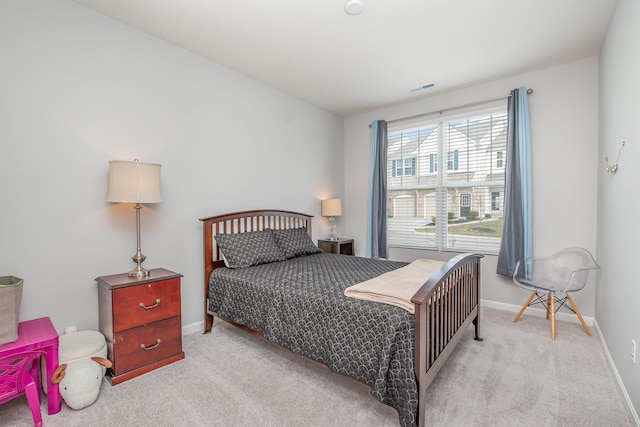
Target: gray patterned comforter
(299, 303)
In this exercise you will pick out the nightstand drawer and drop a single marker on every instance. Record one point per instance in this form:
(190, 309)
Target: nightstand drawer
(146, 303)
(147, 344)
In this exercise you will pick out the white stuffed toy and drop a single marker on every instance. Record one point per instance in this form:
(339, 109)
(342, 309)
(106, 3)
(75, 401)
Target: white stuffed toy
(80, 380)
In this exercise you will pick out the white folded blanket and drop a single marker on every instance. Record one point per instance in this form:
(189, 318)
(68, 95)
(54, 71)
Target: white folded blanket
(396, 287)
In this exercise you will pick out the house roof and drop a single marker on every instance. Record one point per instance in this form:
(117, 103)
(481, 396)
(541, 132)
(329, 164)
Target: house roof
(487, 133)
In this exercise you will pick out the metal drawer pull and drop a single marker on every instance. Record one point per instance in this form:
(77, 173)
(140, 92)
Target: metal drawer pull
(147, 307)
(144, 347)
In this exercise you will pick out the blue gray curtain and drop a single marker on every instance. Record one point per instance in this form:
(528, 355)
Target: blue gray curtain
(377, 215)
(517, 238)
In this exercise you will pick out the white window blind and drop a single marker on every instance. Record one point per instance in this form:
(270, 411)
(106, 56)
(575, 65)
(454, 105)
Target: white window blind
(457, 206)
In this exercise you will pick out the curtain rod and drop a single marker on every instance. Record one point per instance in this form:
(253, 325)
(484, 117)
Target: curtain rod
(458, 107)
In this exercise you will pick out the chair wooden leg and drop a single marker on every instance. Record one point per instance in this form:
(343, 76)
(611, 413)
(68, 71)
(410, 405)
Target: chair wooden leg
(552, 302)
(548, 304)
(575, 308)
(524, 307)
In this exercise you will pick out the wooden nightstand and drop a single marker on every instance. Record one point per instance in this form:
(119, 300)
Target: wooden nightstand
(141, 321)
(340, 246)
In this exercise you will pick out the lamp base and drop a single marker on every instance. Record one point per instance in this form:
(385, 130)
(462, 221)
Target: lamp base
(139, 272)
(332, 229)
(138, 258)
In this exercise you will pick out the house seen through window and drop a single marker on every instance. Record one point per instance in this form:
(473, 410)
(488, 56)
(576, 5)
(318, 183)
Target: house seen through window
(457, 208)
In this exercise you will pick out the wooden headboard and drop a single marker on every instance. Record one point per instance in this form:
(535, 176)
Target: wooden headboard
(241, 222)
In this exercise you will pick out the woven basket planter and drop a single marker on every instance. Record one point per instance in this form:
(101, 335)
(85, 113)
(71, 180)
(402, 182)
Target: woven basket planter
(10, 299)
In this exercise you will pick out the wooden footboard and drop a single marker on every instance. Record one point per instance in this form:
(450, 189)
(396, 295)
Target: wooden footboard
(445, 306)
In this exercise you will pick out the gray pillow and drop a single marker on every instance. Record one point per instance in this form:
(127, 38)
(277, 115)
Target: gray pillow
(247, 249)
(295, 242)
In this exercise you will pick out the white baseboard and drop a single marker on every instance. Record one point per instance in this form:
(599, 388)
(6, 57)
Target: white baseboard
(193, 328)
(613, 368)
(533, 311)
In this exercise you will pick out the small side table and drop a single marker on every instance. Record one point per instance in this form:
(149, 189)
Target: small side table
(39, 334)
(340, 246)
(141, 320)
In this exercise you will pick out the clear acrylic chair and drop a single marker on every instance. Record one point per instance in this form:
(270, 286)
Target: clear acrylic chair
(18, 376)
(552, 278)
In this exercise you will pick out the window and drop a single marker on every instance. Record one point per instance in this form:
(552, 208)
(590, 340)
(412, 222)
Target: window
(452, 162)
(458, 208)
(433, 162)
(404, 167)
(495, 200)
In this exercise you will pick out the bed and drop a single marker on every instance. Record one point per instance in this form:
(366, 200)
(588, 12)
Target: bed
(293, 294)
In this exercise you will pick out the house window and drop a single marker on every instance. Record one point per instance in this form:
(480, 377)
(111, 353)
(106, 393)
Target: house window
(452, 160)
(495, 200)
(403, 167)
(460, 206)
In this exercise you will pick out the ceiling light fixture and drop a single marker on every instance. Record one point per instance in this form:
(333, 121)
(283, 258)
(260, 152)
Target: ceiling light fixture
(425, 86)
(353, 7)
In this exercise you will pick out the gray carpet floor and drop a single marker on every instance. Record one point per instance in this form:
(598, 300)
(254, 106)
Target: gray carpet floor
(517, 376)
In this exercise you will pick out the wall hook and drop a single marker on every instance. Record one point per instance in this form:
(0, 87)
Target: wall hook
(612, 169)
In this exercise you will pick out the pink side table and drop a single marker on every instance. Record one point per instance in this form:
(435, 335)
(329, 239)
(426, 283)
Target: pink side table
(39, 334)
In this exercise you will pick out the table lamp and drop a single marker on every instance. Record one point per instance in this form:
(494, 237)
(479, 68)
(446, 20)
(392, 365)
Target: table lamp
(134, 182)
(332, 208)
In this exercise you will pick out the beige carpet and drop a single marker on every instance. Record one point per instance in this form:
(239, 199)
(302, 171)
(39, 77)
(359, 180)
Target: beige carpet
(516, 377)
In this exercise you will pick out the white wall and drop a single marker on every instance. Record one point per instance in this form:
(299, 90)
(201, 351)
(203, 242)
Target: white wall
(78, 89)
(564, 129)
(618, 296)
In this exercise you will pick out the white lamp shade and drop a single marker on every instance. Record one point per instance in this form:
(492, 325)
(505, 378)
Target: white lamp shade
(134, 182)
(331, 207)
